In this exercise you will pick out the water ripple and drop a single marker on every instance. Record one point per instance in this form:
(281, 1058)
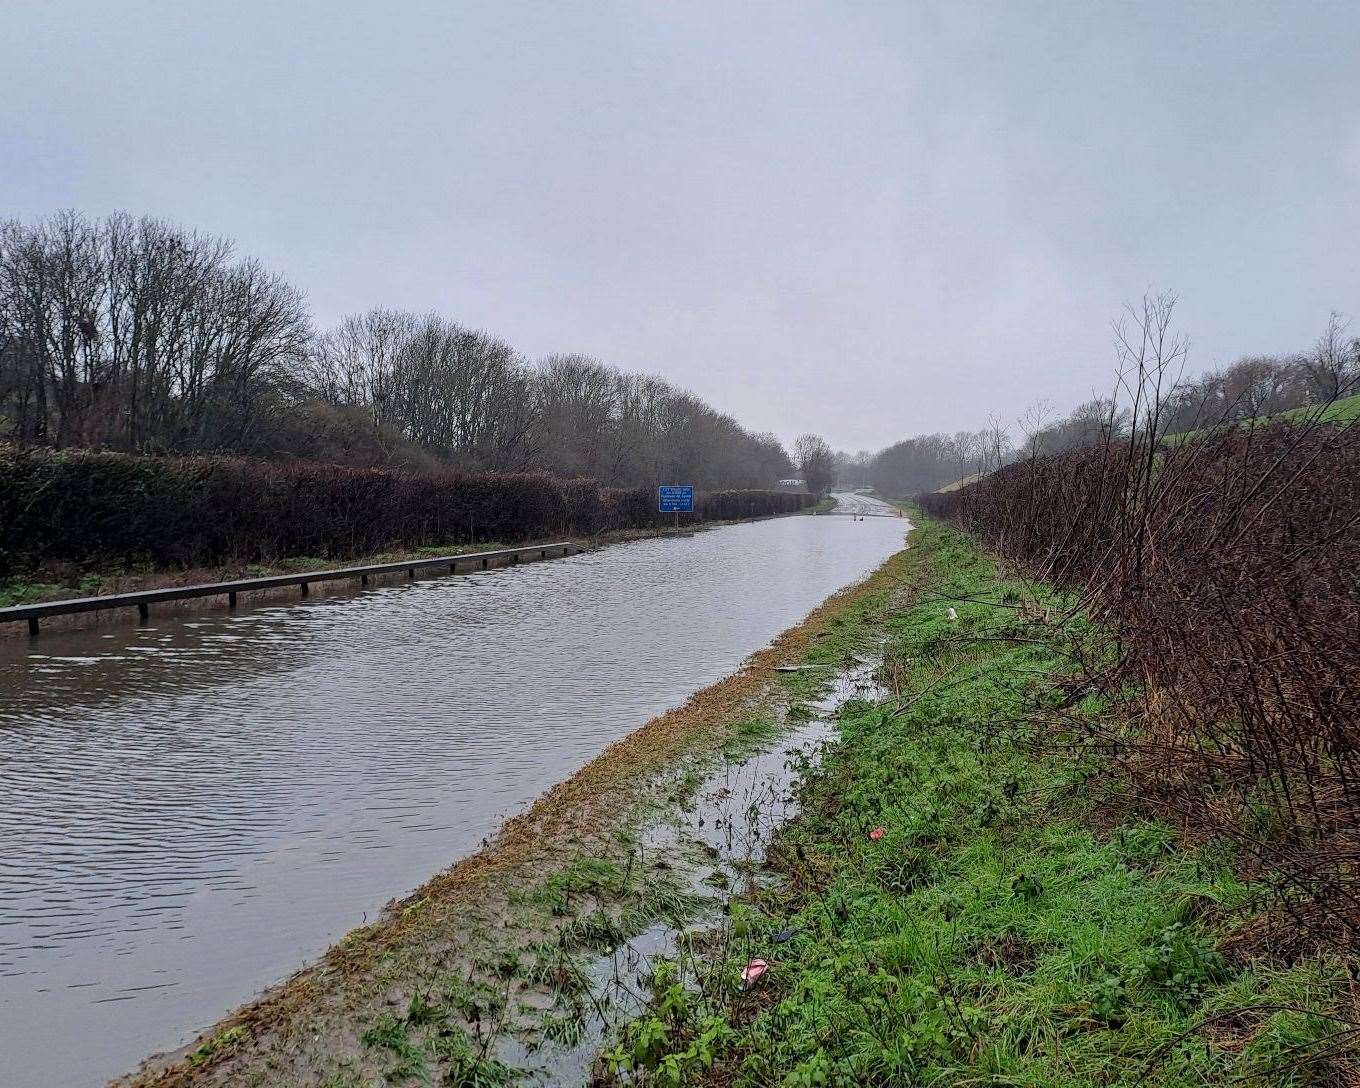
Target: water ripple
(188, 810)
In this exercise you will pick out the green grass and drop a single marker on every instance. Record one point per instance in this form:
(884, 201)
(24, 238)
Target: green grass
(1339, 411)
(990, 935)
(749, 737)
(425, 1034)
(606, 903)
(1344, 410)
(21, 591)
(18, 592)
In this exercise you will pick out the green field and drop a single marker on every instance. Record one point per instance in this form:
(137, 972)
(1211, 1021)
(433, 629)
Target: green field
(1344, 410)
(1339, 411)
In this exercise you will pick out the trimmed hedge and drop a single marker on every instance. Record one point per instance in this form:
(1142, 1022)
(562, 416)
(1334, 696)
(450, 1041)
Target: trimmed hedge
(93, 507)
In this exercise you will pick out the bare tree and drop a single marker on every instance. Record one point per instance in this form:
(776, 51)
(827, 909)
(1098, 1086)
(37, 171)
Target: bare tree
(1333, 366)
(1151, 358)
(996, 444)
(816, 461)
(964, 449)
(578, 407)
(358, 364)
(1032, 424)
(1259, 386)
(140, 335)
(467, 398)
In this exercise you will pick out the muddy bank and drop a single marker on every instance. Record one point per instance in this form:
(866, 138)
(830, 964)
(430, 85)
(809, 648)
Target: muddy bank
(496, 949)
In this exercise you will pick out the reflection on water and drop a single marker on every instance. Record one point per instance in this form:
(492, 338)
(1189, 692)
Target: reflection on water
(190, 809)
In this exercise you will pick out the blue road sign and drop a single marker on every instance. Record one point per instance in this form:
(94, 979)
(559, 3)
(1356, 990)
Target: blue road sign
(675, 498)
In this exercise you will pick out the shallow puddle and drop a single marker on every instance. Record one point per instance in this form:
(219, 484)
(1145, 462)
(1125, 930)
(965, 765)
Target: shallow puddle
(717, 844)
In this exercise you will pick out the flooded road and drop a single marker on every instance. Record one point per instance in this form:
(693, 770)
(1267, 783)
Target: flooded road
(864, 506)
(190, 809)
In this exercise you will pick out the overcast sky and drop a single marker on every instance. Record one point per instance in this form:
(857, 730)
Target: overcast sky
(865, 219)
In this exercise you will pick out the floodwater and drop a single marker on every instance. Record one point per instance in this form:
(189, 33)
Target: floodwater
(734, 817)
(191, 809)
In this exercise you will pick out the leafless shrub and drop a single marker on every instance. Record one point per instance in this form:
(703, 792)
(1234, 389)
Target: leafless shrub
(1225, 566)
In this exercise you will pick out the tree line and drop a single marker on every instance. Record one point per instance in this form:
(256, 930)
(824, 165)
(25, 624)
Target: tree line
(137, 335)
(1250, 388)
(1262, 385)
(925, 462)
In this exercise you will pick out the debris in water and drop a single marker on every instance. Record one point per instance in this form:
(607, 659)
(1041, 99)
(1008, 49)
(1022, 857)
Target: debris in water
(752, 973)
(800, 668)
(877, 833)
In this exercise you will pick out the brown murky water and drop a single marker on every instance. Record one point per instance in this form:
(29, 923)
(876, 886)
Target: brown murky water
(189, 810)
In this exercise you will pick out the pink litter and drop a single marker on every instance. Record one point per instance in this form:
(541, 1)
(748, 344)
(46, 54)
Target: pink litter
(877, 833)
(752, 973)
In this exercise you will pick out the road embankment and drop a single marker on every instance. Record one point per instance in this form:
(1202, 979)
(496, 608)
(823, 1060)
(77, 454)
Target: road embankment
(967, 896)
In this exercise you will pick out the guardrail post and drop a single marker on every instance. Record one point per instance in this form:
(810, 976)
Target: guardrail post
(231, 590)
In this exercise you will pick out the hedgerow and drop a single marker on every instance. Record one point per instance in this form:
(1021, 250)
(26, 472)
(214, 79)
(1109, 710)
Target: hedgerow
(1226, 568)
(91, 507)
(951, 905)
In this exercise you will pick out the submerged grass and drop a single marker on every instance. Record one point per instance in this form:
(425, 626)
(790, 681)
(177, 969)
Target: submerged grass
(946, 912)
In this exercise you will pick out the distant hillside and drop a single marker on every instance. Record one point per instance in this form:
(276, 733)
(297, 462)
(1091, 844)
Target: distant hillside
(971, 478)
(1339, 411)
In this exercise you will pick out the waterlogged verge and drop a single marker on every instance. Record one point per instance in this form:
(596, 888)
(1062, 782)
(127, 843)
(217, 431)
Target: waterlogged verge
(958, 900)
(612, 919)
(705, 841)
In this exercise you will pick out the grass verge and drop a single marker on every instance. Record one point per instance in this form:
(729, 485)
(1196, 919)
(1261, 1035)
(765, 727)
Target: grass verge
(956, 905)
